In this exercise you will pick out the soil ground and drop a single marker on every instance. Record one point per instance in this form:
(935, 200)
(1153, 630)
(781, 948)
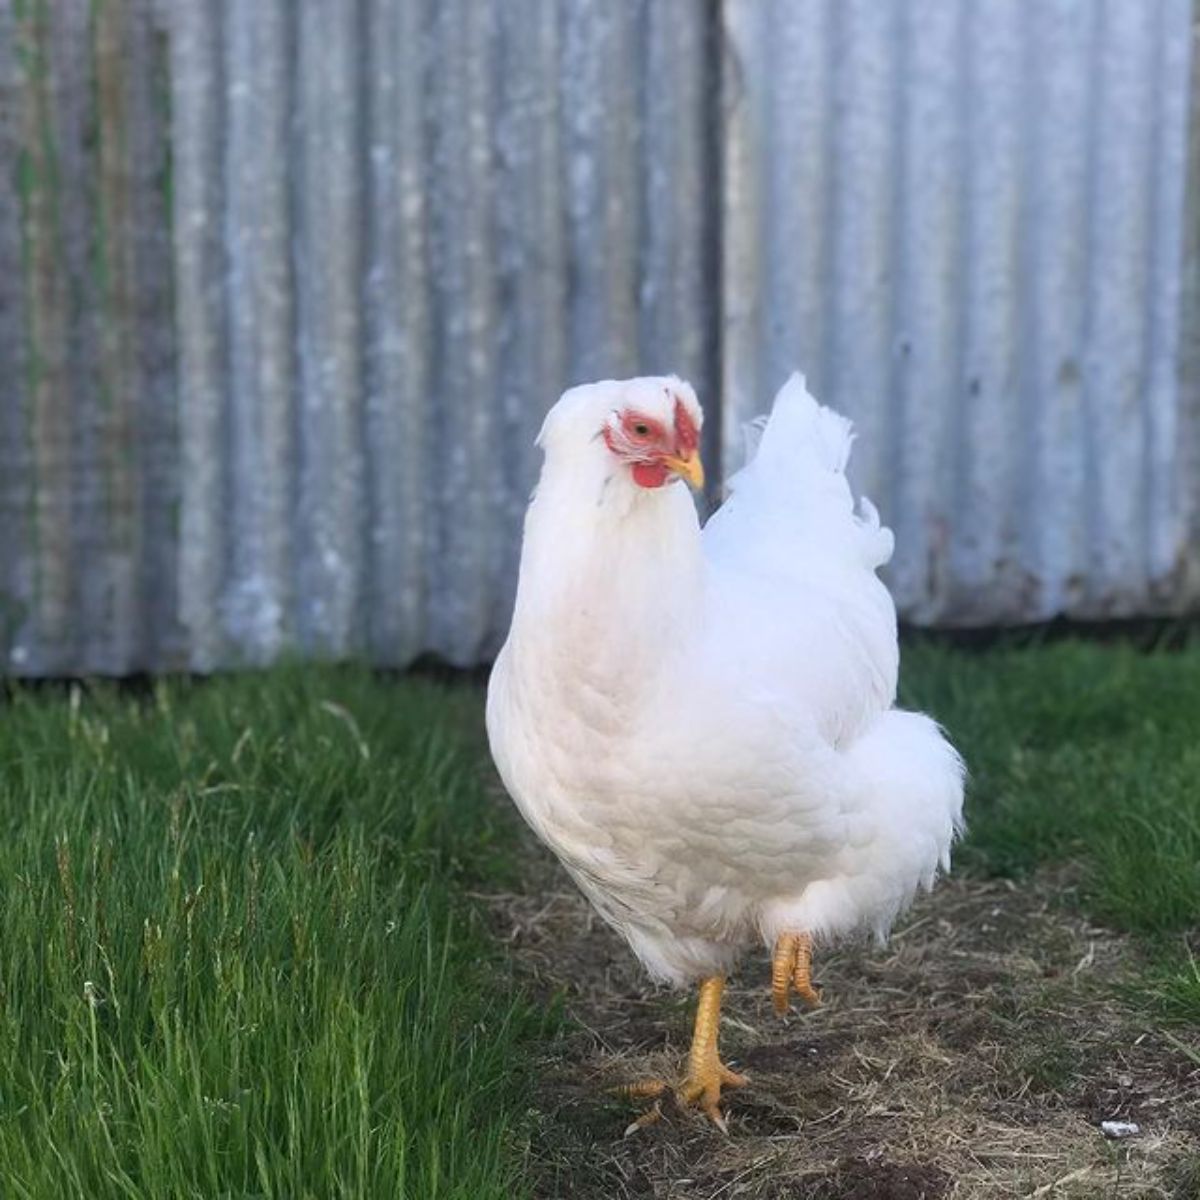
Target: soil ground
(974, 1056)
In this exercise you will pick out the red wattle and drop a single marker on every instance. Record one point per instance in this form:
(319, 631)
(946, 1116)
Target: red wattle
(649, 474)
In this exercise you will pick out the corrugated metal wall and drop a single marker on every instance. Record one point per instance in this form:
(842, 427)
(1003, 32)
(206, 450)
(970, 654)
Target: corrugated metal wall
(966, 218)
(286, 287)
(89, 458)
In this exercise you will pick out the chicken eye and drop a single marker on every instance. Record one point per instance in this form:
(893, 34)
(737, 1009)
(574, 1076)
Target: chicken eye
(641, 429)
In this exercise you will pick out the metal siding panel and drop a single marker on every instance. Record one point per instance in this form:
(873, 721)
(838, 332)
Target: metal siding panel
(197, 87)
(258, 602)
(1058, 103)
(679, 284)
(75, 481)
(963, 222)
(18, 625)
(984, 558)
(802, 56)
(531, 241)
(83, 431)
(329, 258)
(1185, 500)
(777, 307)
(601, 149)
(859, 177)
(125, 460)
(742, 181)
(1168, 469)
(281, 334)
(928, 256)
(676, 301)
(398, 325)
(1121, 169)
(48, 81)
(115, 617)
(155, 637)
(18, 618)
(465, 385)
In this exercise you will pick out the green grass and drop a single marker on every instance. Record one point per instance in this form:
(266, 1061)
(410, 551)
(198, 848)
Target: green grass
(1086, 753)
(232, 961)
(235, 959)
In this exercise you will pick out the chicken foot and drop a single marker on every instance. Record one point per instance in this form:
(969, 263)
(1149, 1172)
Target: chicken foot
(791, 967)
(706, 1073)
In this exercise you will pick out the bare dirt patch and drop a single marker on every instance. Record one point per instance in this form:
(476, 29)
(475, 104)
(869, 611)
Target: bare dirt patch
(974, 1056)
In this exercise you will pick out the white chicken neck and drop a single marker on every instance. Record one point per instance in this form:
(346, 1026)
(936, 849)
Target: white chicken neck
(614, 570)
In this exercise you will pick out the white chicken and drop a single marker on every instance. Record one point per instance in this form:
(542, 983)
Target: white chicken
(700, 724)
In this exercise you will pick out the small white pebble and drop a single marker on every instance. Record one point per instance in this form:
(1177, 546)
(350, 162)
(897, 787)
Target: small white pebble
(1119, 1129)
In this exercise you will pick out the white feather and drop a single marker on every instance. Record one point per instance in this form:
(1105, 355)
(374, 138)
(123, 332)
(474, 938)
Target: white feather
(701, 724)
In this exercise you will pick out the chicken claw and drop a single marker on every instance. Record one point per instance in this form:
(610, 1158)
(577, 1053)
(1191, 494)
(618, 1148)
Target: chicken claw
(706, 1073)
(791, 967)
(703, 1087)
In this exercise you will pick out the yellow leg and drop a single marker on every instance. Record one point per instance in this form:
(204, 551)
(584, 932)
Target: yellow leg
(706, 1071)
(706, 1074)
(791, 967)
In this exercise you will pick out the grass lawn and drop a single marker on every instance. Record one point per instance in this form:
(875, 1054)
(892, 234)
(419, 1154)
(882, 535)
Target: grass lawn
(237, 957)
(1087, 754)
(234, 959)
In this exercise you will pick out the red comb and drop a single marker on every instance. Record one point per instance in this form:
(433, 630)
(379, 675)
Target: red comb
(687, 435)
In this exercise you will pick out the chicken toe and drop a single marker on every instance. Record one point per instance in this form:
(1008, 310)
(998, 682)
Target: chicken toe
(791, 970)
(706, 1073)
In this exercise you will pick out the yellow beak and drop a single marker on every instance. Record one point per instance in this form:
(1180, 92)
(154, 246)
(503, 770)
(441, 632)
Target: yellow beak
(689, 468)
